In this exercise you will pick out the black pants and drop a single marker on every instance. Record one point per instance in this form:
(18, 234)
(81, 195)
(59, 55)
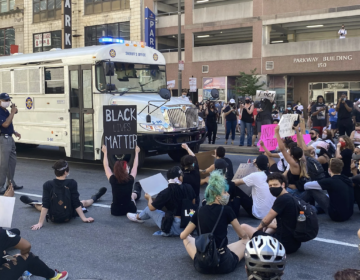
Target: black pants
(212, 130)
(12, 270)
(345, 126)
(245, 201)
(357, 194)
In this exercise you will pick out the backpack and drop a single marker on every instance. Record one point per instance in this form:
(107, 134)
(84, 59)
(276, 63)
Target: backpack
(187, 208)
(307, 230)
(314, 169)
(207, 255)
(60, 210)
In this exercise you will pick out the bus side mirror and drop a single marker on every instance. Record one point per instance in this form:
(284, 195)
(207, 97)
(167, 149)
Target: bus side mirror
(109, 68)
(165, 93)
(214, 93)
(110, 87)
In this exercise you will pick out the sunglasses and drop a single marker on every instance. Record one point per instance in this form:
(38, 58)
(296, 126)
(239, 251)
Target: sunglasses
(311, 133)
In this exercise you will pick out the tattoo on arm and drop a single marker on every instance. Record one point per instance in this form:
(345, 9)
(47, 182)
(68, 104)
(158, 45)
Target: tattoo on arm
(263, 224)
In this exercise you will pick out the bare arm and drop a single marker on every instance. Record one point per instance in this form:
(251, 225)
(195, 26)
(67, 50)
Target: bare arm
(210, 169)
(107, 169)
(267, 152)
(24, 246)
(80, 212)
(352, 135)
(251, 110)
(238, 182)
(188, 230)
(239, 230)
(282, 148)
(267, 220)
(186, 147)
(338, 152)
(43, 213)
(136, 162)
(150, 201)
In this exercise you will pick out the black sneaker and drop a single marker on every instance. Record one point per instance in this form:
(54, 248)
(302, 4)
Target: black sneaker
(16, 187)
(137, 190)
(99, 194)
(27, 200)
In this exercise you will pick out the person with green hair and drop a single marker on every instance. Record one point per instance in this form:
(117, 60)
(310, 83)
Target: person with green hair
(206, 217)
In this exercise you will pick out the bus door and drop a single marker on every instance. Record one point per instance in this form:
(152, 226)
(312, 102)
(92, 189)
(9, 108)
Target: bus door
(81, 112)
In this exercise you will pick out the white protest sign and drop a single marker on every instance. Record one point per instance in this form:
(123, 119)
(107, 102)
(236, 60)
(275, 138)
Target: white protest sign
(286, 125)
(244, 170)
(171, 84)
(6, 211)
(154, 184)
(266, 94)
(192, 84)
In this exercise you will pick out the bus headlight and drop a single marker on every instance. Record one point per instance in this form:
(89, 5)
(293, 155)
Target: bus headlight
(201, 122)
(157, 127)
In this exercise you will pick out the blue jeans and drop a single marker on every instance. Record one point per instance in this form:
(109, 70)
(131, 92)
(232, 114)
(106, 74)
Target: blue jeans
(296, 192)
(230, 126)
(249, 129)
(157, 216)
(319, 196)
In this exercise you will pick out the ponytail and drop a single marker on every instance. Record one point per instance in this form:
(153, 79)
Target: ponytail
(303, 170)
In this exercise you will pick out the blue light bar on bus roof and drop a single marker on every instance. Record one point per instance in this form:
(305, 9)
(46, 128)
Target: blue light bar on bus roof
(111, 40)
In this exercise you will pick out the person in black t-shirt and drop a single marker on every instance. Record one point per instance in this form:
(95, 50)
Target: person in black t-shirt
(281, 221)
(62, 171)
(344, 109)
(122, 182)
(191, 171)
(340, 202)
(231, 114)
(217, 198)
(344, 151)
(320, 114)
(212, 115)
(12, 267)
(167, 201)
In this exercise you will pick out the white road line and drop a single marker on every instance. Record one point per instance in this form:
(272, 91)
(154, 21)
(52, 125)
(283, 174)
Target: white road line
(28, 194)
(53, 160)
(146, 168)
(336, 242)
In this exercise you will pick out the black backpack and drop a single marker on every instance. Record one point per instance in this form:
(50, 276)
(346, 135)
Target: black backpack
(207, 255)
(307, 230)
(186, 207)
(60, 210)
(314, 169)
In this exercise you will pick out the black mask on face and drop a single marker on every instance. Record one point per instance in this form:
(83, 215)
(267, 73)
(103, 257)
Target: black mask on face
(313, 137)
(247, 101)
(276, 191)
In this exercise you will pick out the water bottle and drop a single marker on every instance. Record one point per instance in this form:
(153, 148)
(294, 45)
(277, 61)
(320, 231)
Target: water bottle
(302, 217)
(26, 275)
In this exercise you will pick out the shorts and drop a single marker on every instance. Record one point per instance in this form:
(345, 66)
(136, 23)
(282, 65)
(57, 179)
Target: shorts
(333, 125)
(262, 122)
(228, 262)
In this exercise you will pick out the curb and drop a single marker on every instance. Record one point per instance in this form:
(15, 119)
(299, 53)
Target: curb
(231, 149)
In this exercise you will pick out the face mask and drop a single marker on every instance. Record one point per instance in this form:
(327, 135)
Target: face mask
(224, 200)
(247, 101)
(324, 136)
(313, 137)
(343, 144)
(321, 103)
(318, 151)
(5, 104)
(276, 191)
(289, 108)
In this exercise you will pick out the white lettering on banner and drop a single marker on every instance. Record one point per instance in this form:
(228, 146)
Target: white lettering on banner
(286, 125)
(67, 39)
(324, 58)
(265, 94)
(67, 4)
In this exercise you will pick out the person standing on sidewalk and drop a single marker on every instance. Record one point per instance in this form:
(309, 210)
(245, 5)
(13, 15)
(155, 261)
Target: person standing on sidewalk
(247, 119)
(344, 109)
(211, 124)
(7, 144)
(231, 114)
(320, 114)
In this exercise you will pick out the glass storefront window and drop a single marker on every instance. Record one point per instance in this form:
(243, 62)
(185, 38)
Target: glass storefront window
(46, 41)
(7, 38)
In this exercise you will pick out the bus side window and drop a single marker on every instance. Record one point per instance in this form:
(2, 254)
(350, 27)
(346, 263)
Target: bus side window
(54, 80)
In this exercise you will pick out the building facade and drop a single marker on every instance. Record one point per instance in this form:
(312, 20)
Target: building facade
(294, 45)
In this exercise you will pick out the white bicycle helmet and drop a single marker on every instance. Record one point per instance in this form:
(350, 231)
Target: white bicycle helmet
(265, 254)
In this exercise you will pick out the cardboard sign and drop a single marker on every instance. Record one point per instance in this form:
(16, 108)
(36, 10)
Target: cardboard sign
(286, 125)
(171, 84)
(205, 160)
(7, 205)
(265, 94)
(270, 144)
(268, 131)
(120, 128)
(244, 170)
(153, 185)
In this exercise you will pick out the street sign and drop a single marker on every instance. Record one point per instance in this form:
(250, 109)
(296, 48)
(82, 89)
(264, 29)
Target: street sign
(192, 84)
(181, 65)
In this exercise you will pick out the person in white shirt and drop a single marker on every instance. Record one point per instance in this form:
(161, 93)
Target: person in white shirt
(342, 32)
(260, 202)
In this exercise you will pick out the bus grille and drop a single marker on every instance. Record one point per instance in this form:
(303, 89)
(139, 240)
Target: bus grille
(180, 119)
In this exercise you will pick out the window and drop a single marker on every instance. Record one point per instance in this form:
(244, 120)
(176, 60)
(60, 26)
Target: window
(114, 30)
(27, 80)
(54, 80)
(44, 10)
(6, 5)
(7, 38)
(46, 41)
(100, 6)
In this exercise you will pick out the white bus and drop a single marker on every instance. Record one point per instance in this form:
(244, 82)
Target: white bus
(60, 95)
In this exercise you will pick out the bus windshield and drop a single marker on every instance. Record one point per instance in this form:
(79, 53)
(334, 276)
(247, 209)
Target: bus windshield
(130, 77)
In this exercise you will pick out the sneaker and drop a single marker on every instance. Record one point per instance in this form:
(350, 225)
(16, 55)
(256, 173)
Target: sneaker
(99, 194)
(60, 275)
(132, 217)
(137, 190)
(27, 200)
(17, 187)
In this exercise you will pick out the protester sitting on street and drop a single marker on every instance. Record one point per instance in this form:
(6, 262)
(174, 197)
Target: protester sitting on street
(261, 200)
(191, 171)
(315, 136)
(355, 135)
(344, 151)
(284, 211)
(13, 267)
(216, 216)
(328, 138)
(339, 203)
(211, 122)
(230, 113)
(320, 114)
(247, 119)
(60, 200)
(344, 109)
(171, 198)
(265, 258)
(220, 154)
(122, 182)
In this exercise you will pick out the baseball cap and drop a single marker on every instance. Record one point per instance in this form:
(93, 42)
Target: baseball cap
(5, 96)
(221, 164)
(174, 172)
(262, 162)
(232, 101)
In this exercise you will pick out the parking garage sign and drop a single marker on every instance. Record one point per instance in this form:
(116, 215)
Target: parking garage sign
(150, 28)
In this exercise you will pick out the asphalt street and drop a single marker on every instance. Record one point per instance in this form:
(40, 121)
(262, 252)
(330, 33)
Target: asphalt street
(115, 248)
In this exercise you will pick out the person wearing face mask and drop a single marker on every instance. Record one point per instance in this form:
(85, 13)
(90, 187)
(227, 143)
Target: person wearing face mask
(275, 115)
(57, 186)
(344, 109)
(333, 117)
(122, 182)
(211, 116)
(260, 202)
(355, 135)
(344, 151)
(280, 222)
(320, 114)
(327, 137)
(247, 119)
(323, 156)
(171, 199)
(339, 205)
(315, 136)
(7, 144)
(205, 219)
(230, 113)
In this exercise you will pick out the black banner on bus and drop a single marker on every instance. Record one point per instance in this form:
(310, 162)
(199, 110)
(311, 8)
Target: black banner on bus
(120, 128)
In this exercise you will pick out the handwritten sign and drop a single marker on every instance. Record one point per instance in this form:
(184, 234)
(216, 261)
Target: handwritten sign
(270, 144)
(268, 131)
(286, 125)
(171, 84)
(244, 169)
(204, 160)
(265, 94)
(120, 128)
(307, 138)
(6, 211)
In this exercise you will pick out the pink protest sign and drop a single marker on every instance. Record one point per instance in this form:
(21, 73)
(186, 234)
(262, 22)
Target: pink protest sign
(270, 144)
(267, 131)
(306, 137)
